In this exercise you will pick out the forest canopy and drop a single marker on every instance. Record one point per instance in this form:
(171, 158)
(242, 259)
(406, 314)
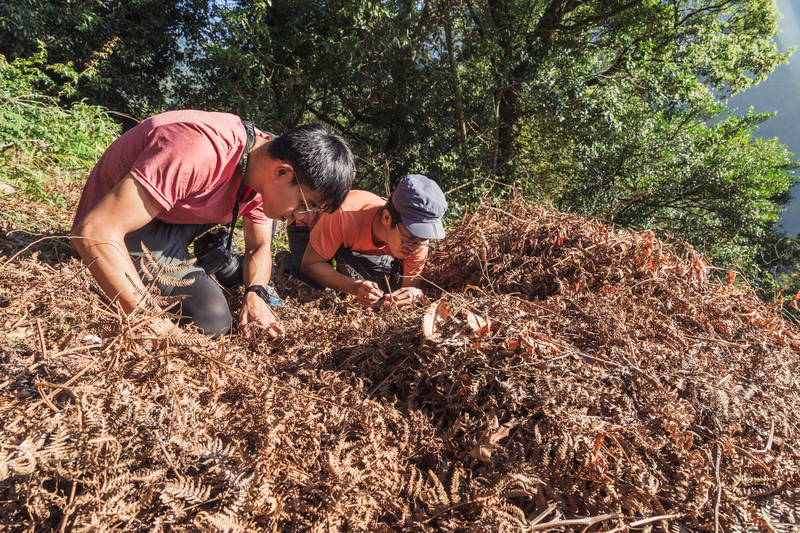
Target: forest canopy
(613, 108)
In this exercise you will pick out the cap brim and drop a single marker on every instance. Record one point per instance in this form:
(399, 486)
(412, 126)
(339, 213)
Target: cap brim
(425, 230)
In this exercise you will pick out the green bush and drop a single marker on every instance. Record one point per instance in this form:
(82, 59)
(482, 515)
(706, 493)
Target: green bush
(39, 138)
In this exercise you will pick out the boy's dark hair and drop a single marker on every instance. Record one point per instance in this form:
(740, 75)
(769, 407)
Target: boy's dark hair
(395, 214)
(321, 159)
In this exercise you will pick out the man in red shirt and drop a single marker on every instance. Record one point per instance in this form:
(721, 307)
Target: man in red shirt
(178, 174)
(377, 239)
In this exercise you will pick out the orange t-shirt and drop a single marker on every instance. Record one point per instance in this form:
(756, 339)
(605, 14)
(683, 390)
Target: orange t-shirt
(351, 226)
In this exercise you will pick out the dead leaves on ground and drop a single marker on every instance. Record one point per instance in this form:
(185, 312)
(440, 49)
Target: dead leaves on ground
(567, 370)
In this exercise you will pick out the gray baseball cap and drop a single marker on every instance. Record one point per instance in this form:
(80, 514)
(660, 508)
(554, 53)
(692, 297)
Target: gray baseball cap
(421, 204)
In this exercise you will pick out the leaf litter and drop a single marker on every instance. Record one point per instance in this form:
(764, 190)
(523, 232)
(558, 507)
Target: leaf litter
(565, 376)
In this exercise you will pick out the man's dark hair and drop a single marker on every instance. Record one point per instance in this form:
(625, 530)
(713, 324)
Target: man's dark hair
(321, 159)
(395, 214)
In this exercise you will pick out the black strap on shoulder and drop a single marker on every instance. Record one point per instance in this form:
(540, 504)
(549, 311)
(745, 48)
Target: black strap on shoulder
(346, 255)
(251, 139)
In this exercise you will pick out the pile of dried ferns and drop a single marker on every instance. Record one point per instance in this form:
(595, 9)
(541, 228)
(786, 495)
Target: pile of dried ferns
(566, 377)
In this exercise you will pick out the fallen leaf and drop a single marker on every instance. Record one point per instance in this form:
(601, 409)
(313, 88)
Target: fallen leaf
(435, 313)
(538, 343)
(480, 326)
(699, 268)
(5, 188)
(483, 449)
(18, 334)
(794, 300)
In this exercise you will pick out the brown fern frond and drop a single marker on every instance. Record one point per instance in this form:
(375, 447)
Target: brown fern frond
(154, 300)
(332, 467)
(262, 499)
(105, 328)
(457, 425)
(191, 491)
(513, 510)
(415, 483)
(523, 481)
(354, 478)
(188, 339)
(147, 272)
(455, 483)
(223, 523)
(439, 491)
(146, 296)
(171, 268)
(517, 493)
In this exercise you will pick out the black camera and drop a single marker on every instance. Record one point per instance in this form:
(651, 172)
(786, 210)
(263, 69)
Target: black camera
(211, 251)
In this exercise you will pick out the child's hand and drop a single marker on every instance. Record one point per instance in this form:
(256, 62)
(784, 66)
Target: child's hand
(404, 297)
(368, 293)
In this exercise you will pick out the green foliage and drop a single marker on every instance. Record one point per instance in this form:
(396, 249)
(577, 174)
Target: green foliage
(359, 66)
(37, 136)
(585, 104)
(712, 184)
(139, 44)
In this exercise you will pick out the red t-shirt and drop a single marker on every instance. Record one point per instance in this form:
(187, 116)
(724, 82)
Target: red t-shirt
(351, 226)
(187, 160)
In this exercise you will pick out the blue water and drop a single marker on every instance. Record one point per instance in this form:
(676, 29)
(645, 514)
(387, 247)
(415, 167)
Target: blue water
(780, 92)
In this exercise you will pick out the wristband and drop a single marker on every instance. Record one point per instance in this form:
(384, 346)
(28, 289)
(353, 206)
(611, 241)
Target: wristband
(267, 294)
(260, 290)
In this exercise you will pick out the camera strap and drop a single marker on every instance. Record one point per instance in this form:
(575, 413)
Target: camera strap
(251, 139)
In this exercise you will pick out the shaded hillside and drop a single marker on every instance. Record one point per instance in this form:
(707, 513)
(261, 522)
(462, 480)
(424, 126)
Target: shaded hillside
(565, 375)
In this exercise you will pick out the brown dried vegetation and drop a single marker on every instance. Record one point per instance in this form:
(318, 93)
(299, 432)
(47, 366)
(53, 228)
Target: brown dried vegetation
(568, 377)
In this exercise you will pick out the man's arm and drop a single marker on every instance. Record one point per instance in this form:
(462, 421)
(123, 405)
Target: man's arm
(100, 239)
(256, 270)
(320, 270)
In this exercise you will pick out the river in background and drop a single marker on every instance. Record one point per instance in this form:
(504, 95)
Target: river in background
(779, 93)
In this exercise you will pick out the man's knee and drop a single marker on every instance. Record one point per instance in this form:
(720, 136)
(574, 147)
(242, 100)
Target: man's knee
(205, 305)
(215, 320)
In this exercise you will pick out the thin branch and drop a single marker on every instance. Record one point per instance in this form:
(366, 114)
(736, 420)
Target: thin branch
(577, 521)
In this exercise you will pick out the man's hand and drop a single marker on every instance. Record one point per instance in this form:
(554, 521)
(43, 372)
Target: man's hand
(164, 326)
(256, 269)
(368, 293)
(404, 297)
(255, 309)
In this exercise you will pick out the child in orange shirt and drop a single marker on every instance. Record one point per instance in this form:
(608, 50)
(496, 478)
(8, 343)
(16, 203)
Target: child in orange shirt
(374, 239)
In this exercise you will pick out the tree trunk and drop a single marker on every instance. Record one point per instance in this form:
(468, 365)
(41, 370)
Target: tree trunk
(448, 29)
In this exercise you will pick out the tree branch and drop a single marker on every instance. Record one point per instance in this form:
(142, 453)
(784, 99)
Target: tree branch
(341, 127)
